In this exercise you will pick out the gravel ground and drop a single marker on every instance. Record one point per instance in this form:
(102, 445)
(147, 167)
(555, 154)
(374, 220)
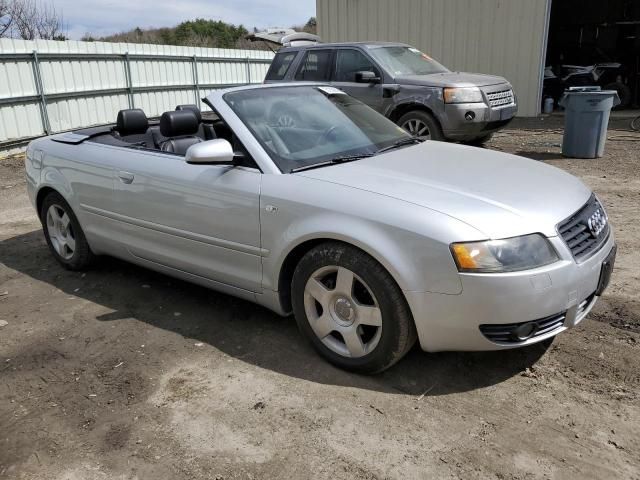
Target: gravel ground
(123, 373)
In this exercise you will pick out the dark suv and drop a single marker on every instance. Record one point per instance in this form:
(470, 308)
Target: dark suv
(406, 85)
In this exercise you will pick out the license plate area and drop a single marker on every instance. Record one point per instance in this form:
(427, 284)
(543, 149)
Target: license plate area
(606, 270)
(506, 113)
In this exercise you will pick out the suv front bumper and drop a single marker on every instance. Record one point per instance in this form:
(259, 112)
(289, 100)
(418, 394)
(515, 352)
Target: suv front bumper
(455, 125)
(565, 288)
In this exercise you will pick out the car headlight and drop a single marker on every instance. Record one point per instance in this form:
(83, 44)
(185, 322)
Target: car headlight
(507, 255)
(463, 95)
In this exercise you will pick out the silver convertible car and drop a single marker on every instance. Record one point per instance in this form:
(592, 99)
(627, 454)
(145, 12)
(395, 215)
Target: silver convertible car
(302, 199)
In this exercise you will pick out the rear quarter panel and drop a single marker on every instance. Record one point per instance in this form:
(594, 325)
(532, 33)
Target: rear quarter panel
(82, 174)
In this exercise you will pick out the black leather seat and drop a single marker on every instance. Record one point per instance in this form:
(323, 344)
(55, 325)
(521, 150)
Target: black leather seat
(132, 126)
(180, 127)
(205, 130)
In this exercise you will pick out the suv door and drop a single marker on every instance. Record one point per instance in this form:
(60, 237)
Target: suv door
(349, 61)
(315, 66)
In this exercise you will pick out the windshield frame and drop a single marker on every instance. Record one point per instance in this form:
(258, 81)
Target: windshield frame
(285, 165)
(380, 60)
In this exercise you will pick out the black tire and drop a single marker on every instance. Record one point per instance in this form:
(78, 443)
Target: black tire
(397, 330)
(635, 124)
(479, 142)
(426, 118)
(82, 256)
(624, 93)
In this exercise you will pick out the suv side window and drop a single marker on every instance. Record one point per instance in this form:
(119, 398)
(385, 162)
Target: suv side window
(349, 61)
(280, 65)
(316, 66)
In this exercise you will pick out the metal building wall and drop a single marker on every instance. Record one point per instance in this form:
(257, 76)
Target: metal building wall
(500, 37)
(87, 83)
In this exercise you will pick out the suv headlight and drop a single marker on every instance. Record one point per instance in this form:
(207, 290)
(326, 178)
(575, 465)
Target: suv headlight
(507, 255)
(463, 95)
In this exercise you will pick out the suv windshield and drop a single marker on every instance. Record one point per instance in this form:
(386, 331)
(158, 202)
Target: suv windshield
(309, 125)
(401, 60)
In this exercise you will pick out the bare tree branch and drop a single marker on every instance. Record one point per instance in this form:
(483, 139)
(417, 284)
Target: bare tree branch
(5, 17)
(30, 19)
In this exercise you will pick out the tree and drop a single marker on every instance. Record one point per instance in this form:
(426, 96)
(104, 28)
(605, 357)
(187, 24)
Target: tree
(30, 19)
(5, 17)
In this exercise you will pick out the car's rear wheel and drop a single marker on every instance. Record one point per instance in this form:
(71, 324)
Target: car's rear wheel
(63, 233)
(351, 309)
(422, 125)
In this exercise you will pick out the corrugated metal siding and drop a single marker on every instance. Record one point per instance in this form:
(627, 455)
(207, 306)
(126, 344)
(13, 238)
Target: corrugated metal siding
(499, 37)
(69, 75)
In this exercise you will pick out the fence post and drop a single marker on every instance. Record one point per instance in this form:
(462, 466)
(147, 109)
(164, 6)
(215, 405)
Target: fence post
(127, 75)
(44, 114)
(248, 71)
(196, 84)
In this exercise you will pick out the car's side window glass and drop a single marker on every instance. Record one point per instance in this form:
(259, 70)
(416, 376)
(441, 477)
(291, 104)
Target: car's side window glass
(280, 65)
(316, 66)
(349, 62)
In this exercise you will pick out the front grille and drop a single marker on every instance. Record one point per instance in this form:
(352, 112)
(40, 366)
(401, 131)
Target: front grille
(586, 230)
(506, 332)
(500, 99)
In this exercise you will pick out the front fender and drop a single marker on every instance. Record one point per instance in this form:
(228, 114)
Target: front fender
(411, 242)
(410, 97)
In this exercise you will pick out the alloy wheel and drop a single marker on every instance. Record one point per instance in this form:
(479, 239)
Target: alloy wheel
(342, 311)
(61, 231)
(417, 128)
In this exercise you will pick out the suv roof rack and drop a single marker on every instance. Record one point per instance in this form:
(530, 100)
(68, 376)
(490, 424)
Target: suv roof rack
(285, 37)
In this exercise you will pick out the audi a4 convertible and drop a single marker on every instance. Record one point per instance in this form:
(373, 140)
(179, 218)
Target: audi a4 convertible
(302, 199)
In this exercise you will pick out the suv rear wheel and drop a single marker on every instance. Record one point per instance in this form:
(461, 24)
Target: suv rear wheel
(421, 124)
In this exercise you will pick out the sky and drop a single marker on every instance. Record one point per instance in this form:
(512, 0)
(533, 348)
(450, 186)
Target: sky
(104, 17)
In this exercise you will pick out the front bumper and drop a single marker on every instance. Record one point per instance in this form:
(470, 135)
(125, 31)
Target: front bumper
(486, 120)
(452, 322)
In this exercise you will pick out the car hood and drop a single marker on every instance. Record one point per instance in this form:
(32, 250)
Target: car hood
(500, 195)
(451, 79)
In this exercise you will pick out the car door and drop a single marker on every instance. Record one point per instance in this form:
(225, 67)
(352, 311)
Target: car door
(200, 219)
(348, 62)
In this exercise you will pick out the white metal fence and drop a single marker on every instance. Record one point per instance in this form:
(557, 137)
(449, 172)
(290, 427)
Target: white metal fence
(49, 86)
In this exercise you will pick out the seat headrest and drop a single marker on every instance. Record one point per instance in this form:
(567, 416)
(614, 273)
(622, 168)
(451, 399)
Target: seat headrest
(132, 121)
(178, 123)
(193, 108)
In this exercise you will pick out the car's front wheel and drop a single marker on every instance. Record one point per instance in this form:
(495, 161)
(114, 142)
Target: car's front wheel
(351, 309)
(421, 124)
(63, 233)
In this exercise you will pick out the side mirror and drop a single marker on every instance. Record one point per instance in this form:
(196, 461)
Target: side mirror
(367, 77)
(211, 152)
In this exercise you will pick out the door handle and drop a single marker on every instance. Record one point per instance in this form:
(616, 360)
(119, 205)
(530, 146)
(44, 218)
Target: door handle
(125, 177)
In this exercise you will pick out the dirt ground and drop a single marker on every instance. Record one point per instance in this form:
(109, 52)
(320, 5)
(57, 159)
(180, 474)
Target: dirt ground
(123, 373)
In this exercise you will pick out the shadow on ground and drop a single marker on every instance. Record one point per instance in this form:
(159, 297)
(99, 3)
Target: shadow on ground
(246, 331)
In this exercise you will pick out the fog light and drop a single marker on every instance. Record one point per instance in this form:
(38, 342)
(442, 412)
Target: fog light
(469, 116)
(525, 331)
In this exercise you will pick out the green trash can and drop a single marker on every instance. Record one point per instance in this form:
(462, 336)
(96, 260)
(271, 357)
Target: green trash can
(586, 120)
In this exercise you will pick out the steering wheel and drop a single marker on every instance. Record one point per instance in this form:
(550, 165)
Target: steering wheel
(281, 115)
(328, 132)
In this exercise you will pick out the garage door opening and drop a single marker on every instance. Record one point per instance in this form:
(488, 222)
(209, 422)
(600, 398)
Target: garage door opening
(592, 42)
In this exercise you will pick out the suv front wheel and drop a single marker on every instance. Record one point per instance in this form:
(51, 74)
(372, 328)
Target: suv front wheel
(421, 124)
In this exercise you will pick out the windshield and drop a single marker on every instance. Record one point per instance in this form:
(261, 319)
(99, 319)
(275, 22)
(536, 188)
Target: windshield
(307, 125)
(400, 60)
